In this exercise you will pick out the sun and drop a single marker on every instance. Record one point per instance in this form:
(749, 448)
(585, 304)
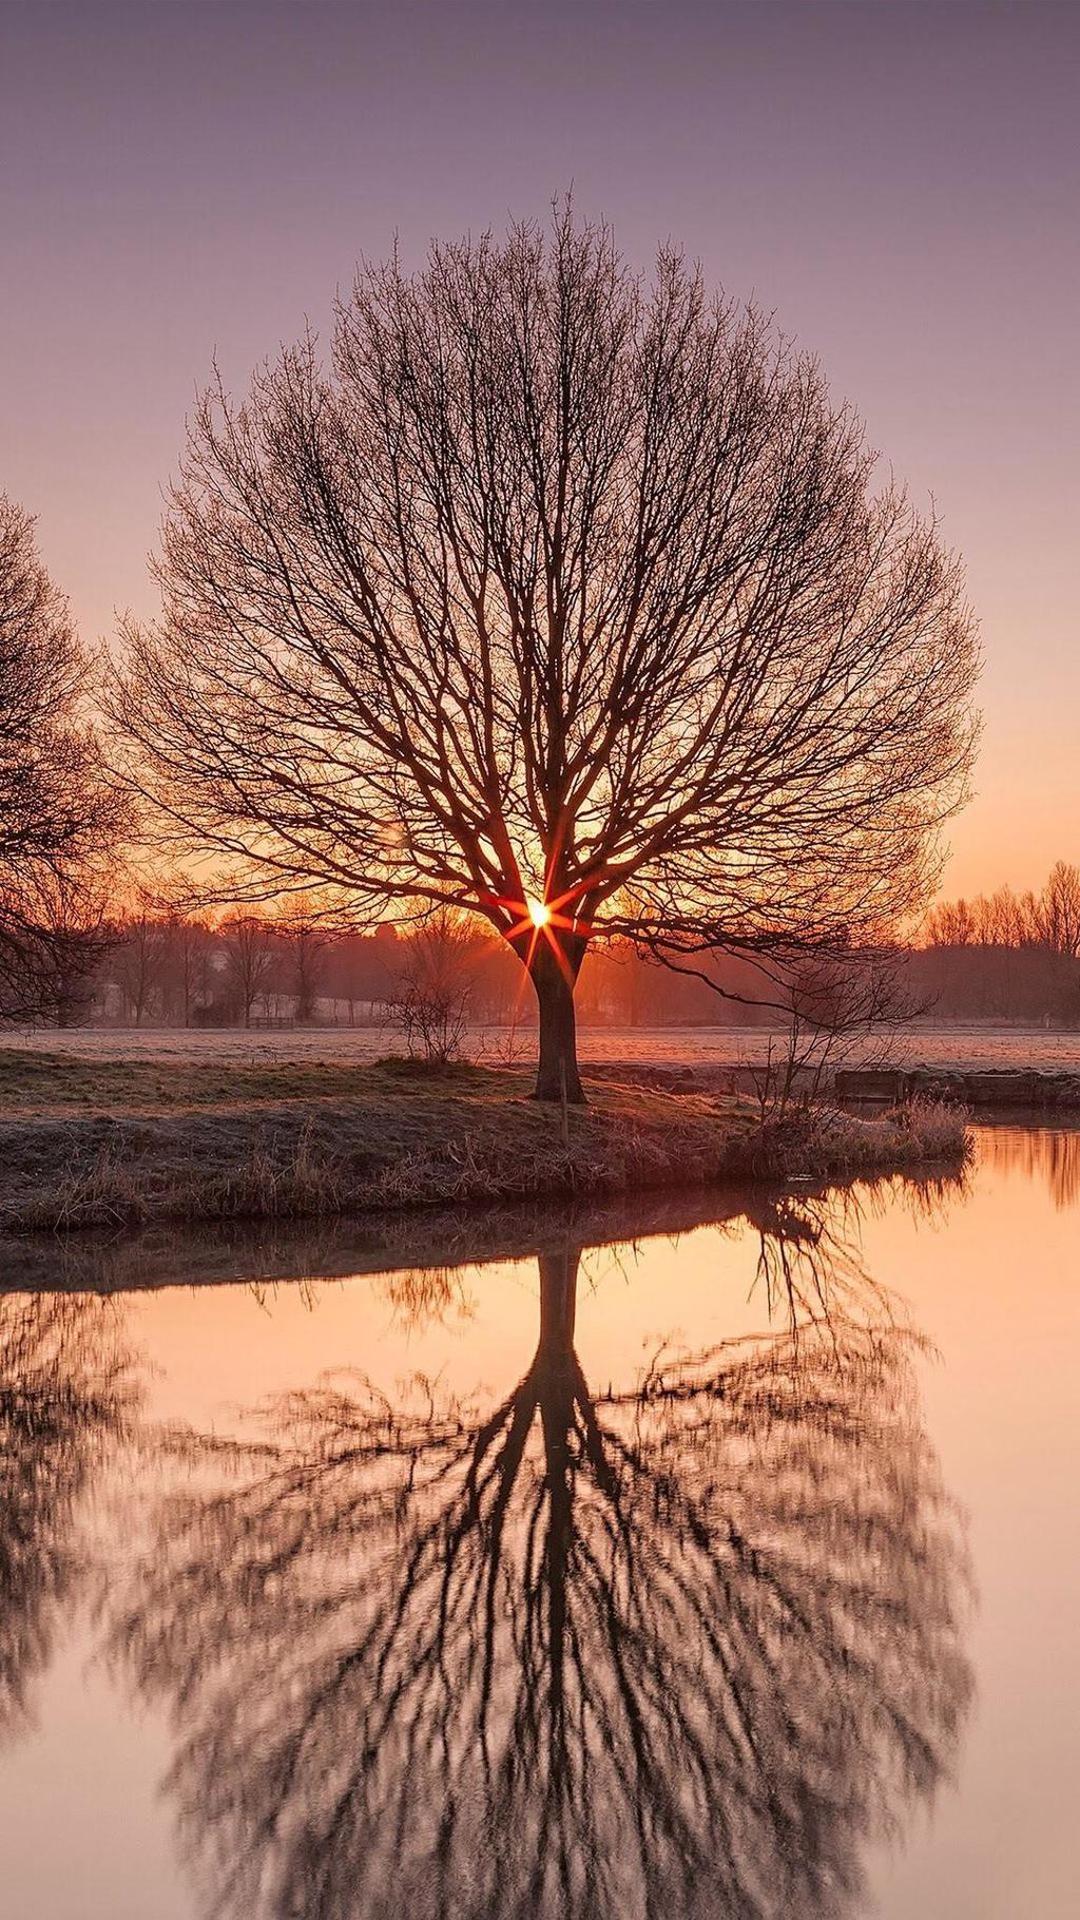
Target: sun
(539, 912)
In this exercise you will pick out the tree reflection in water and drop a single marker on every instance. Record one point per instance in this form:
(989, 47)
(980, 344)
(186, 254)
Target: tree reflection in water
(65, 1395)
(680, 1649)
(1050, 1153)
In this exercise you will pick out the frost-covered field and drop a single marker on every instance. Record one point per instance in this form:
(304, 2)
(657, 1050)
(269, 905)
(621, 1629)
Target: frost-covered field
(963, 1048)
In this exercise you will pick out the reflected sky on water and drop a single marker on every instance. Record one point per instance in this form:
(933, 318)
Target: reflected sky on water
(618, 1562)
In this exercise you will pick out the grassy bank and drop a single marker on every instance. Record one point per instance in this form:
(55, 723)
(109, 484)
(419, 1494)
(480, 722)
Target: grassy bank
(434, 1244)
(131, 1143)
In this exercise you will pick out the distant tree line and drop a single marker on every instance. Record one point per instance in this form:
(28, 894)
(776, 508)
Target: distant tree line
(1049, 920)
(119, 954)
(149, 965)
(1005, 955)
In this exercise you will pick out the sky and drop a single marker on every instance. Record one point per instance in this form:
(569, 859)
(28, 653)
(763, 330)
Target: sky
(900, 183)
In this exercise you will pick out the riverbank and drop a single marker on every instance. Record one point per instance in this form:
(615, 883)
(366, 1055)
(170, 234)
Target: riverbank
(121, 1144)
(439, 1242)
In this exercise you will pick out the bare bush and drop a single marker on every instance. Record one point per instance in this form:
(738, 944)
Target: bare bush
(430, 1007)
(837, 1007)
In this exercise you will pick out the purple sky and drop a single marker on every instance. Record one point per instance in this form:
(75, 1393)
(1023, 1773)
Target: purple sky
(900, 182)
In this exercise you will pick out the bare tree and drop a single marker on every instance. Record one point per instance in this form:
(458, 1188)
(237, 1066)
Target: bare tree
(838, 1006)
(51, 960)
(1057, 912)
(684, 1648)
(189, 944)
(248, 941)
(305, 931)
(950, 923)
(562, 598)
(54, 815)
(430, 1001)
(141, 955)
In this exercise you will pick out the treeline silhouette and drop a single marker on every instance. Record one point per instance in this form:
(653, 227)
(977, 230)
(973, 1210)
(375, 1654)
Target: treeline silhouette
(1004, 955)
(149, 966)
(999, 956)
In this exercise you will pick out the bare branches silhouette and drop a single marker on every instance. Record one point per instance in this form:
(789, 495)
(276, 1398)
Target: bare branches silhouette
(564, 598)
(65, 1395)
(57, 819)
(684, 1647)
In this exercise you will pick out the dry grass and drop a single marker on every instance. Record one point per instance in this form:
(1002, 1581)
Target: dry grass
(36, 1082)
(328, 1159)
(822, 1141)
(122, 1150)
(977, 1046)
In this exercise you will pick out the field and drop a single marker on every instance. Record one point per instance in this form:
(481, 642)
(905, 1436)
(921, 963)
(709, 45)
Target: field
(962, 1048)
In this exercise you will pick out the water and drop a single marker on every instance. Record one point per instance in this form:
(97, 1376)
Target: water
(653, 1564)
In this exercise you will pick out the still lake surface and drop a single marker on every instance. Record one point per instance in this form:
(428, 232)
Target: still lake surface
(651, 1564)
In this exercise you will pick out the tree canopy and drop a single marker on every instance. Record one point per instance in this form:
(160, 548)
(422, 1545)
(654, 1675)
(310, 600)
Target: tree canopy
(56, 817)
(565, 597)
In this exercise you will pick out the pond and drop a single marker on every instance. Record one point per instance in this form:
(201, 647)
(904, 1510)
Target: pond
(714, 1556)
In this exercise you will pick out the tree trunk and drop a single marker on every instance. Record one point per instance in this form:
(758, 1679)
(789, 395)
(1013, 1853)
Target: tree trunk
(558, 1300)
(554, 971)
(558, 1381)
